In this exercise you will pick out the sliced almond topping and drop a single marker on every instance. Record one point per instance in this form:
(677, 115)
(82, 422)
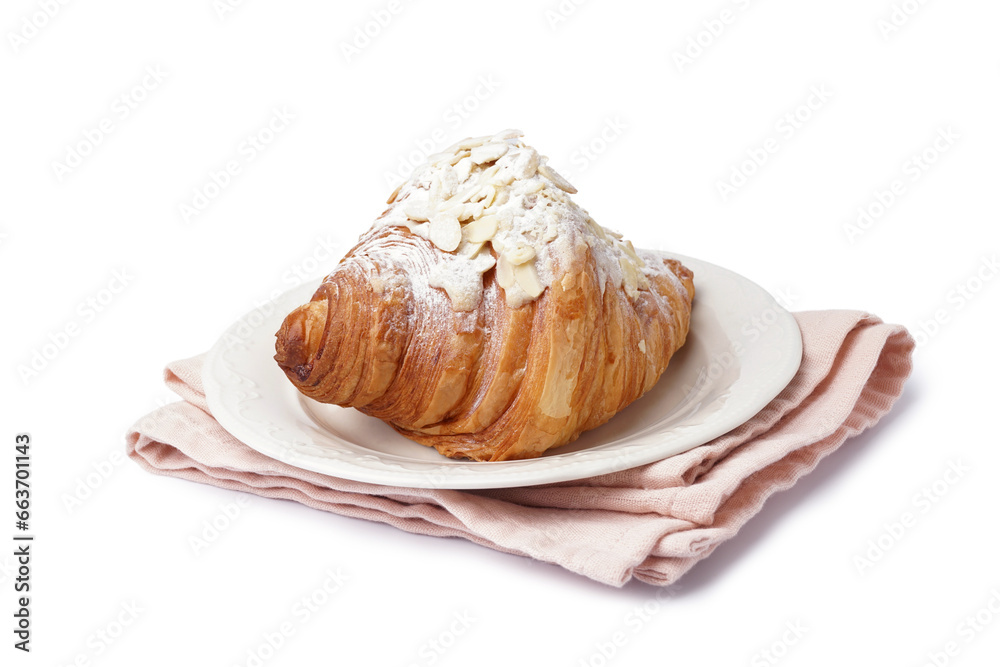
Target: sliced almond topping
(527, 164)
(463, 168)
(489, 152)
(507, 134)
(462, 197)
(482, 193)
(470, 248)
(502, 197)
(505, 273)
(417, 211)
(488, 193)
(434, 188)
(463, 202)
(533, 187)
(560, 182)
(597, 229)
(446, 158)
(489, 173)
(519, 254)
(504, 176)
(551, 232)
(483, 262)
(445, 231)
(482, 229)
(467, 212)
(472, 142)
(395, 193)
(527, 278)
(629, 250)
(449, 181)
(629, 276)
(421, 229)
(504, 215)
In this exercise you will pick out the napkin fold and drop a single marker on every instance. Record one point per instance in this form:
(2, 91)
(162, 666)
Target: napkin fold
(653, 522)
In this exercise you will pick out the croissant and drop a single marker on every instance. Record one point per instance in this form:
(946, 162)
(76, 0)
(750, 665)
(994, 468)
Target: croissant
(485, 314)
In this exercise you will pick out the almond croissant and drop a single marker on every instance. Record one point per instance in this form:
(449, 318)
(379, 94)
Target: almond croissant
(485, 314)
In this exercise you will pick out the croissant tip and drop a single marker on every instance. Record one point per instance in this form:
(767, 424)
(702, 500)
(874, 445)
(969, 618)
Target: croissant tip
(298, 340)
(302, 372)
(293, 371)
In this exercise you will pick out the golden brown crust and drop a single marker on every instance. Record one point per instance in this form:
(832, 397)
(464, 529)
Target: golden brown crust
(494, 383)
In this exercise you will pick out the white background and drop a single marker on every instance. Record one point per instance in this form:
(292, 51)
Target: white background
(677, 130)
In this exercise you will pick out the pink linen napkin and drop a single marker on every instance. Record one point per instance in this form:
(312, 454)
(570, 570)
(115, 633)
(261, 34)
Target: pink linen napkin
(652, 523)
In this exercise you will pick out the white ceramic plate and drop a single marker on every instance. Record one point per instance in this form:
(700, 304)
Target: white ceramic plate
(742, 350)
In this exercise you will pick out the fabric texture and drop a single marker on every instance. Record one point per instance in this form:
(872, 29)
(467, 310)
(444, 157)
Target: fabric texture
(653, 522)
